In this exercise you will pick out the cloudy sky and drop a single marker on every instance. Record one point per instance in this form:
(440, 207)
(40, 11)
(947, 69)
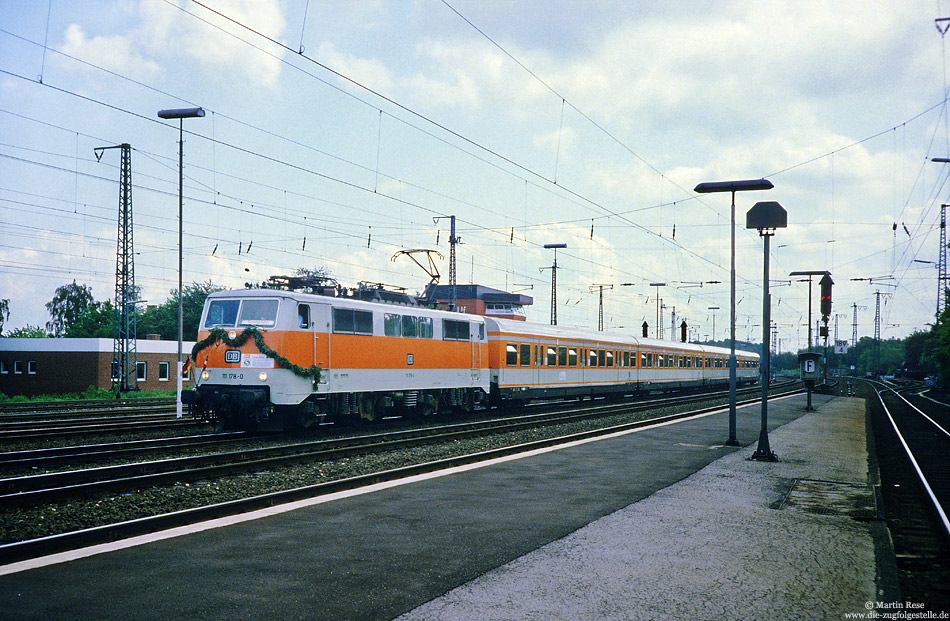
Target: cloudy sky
(337, 131)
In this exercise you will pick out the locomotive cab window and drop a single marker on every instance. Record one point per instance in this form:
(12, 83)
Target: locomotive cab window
(425, 327)
(303, 316)
(258, 313)
(222, 313)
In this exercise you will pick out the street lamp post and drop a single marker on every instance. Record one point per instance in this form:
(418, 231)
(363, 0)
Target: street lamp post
(733, 187)
(180, 114)
(765, 216)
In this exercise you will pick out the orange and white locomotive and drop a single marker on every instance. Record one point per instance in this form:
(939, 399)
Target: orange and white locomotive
(290, 359)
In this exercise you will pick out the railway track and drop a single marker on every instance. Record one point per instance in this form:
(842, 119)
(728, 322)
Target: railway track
(25, 491)
(31, 490)
(912, 444)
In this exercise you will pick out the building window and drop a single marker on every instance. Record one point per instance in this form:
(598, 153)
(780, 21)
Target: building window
(163, 371)
(18, 367)
(31, 367)
(140, 371)
(4, 369)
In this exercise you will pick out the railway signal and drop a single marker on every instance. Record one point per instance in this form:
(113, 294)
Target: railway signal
(825, 284)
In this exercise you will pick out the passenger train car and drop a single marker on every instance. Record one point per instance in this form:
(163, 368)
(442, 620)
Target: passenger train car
(271, 358)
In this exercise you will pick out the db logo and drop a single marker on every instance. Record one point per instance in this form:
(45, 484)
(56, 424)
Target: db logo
(232, 356)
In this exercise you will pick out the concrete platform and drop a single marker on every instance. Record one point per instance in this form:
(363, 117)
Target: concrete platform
(661, 523)
(739, 539)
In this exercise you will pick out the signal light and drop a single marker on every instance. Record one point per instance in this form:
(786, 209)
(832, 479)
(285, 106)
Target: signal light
(825, 284)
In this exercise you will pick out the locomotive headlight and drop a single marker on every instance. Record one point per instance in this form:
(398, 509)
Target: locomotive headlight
(262, 376)
(205, 375)
(232, 334)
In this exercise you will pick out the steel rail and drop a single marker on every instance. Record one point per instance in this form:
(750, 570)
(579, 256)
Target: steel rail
(928, 490)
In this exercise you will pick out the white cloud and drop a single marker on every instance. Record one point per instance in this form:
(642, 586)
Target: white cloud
(165, 31)
(114, 53)
(370, 73)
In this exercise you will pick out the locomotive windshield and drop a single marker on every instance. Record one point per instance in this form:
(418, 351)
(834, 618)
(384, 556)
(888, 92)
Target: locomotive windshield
(248, 312)
(222, 313)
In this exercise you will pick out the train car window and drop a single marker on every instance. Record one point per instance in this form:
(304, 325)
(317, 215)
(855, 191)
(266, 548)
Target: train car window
(601, 357)
(552, 357)
(592, 358)
(222, 313)
(626, 359)
(511, 355)
(610, 358)
(453, 330)
(562, 356)
(410, 326)
(525, 355)
(347, 320)
(363, 322)
(303, 315)
(258, 313)
(392, 324)
(572, 357)
(425, 327)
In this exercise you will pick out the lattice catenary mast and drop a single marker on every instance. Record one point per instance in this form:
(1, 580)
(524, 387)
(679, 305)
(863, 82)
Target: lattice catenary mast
(124, 355)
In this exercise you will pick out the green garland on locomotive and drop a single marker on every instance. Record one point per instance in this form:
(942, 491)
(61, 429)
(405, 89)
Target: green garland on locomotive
(218, 334)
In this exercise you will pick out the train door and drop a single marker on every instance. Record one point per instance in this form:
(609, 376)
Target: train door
(477, 337)
(320, 328)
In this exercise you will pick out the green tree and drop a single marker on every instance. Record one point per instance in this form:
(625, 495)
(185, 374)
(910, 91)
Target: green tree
(97, 321)
(4, 312)
(27, 332)
(163, 319)
(68, 304)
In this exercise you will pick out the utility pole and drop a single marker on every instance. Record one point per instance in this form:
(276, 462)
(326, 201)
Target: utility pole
(600, 314)
(942, 264)
(453, 242)
(553, 269)
(124, 353)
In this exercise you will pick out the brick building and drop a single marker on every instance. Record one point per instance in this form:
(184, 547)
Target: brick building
(58, 365)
